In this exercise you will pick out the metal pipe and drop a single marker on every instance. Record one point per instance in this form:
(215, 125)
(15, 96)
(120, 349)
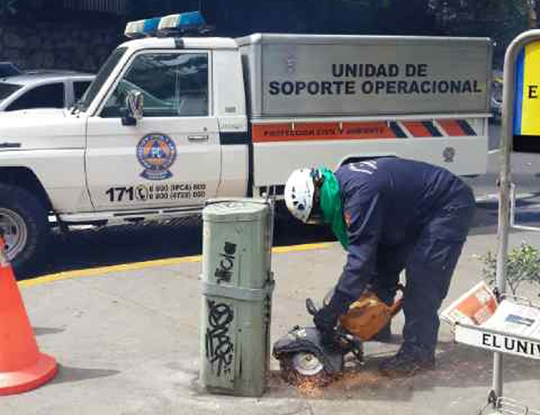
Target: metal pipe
(509, 84)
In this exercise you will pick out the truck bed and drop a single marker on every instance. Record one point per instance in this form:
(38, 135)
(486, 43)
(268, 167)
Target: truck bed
(314, 76)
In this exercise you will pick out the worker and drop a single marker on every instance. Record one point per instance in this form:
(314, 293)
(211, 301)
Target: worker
(390, 214)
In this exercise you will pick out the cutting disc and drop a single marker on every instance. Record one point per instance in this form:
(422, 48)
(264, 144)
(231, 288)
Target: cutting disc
(304, 369)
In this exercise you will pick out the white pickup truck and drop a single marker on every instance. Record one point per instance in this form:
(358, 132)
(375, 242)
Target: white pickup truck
(172, 121)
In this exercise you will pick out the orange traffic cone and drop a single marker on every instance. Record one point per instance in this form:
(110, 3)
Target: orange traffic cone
(22, 366)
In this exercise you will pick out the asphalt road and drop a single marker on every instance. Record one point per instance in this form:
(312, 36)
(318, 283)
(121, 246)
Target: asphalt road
(134, 243)
(525, 176)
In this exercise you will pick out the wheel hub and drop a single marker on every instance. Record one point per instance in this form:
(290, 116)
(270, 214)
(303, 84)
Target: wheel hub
(307, 364)
(15, 232)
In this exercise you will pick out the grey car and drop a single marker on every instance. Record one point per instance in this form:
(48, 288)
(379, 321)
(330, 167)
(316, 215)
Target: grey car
(9, 69)
(42, 89)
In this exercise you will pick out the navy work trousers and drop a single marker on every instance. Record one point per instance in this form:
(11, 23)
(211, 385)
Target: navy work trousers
(429, 261)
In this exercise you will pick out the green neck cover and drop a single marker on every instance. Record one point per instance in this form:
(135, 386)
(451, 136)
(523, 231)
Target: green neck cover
(332, 207)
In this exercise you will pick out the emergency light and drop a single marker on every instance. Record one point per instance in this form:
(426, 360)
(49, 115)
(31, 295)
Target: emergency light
(142, 28)
(182, 23)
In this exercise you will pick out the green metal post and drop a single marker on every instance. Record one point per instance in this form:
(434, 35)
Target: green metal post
(237, 285)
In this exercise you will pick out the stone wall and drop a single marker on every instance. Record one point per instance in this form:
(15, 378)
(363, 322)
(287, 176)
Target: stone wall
(80, 45)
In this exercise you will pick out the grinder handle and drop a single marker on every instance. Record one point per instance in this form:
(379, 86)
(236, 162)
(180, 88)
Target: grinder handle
(310, 306)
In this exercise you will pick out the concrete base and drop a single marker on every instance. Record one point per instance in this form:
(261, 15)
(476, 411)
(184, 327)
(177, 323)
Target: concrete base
(128, 343)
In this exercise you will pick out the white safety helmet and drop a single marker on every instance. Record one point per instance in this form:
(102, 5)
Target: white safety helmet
(299, 193)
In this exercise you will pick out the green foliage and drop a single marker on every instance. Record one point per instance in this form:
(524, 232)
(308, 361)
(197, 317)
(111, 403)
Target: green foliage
(522, 265)
(8, 8)
(502, 20)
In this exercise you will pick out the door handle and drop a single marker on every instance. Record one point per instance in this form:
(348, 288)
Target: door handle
(199, 137)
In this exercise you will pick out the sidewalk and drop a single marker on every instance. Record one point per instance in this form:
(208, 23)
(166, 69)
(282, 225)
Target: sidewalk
(127, 343)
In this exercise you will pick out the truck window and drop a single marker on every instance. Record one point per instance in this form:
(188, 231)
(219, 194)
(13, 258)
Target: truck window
(173, 85)
(101, 78)
(79, 88)
(44, 96)
(7, 89)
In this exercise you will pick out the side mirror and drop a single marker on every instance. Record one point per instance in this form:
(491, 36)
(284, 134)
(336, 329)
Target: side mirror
(134, 108)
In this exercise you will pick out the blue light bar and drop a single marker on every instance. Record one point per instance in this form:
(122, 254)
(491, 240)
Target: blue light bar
(183, 23)
(142, 28)
(191, 22)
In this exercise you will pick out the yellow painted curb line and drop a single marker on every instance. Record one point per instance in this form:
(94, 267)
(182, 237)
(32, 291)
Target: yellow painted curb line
(100, 271)
(298, 248)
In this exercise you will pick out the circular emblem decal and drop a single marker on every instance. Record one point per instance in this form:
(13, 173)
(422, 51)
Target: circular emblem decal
(448, 154)
(156, 153)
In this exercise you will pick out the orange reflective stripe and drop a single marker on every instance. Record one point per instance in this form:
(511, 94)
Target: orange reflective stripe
(458, 128)
(451, 127)
(264, 133)
(367, 130)
(417, 129)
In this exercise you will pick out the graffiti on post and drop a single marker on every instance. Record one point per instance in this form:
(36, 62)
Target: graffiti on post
(223, 272)
(267, 309)
(219, 347)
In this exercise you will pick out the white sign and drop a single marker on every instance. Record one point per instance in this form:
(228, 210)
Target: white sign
(497, 342)
(509, 327)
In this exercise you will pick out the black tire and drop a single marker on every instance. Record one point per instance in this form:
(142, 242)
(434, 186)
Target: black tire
(17, 203)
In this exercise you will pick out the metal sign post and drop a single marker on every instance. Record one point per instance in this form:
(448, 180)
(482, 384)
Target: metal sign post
(507, 133)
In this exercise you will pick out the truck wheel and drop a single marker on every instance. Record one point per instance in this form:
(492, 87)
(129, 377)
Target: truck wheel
(304, 370)
(25, 224)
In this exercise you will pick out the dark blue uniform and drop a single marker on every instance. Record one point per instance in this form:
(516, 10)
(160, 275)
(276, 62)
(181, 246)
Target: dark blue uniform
(404, 214)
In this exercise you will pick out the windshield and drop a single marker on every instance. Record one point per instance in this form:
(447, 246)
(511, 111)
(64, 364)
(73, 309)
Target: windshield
(100, 79)
(7, 89)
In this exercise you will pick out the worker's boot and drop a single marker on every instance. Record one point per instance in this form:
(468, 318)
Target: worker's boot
(407, 362)
(384, 335)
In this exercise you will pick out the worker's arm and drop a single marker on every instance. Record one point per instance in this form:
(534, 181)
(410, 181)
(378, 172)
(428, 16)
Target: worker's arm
(363, 214)
(364, 217)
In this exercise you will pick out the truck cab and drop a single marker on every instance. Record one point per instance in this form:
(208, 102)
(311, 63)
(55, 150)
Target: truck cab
(193, 98)
(87, 165)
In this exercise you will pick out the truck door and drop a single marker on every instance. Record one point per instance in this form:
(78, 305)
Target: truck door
(172, 156)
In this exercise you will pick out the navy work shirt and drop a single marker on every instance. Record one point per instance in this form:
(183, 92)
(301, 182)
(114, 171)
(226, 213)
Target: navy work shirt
(387, 202)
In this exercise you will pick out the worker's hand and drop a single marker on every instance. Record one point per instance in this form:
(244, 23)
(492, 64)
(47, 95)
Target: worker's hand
(326, 319)
(328, 339)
